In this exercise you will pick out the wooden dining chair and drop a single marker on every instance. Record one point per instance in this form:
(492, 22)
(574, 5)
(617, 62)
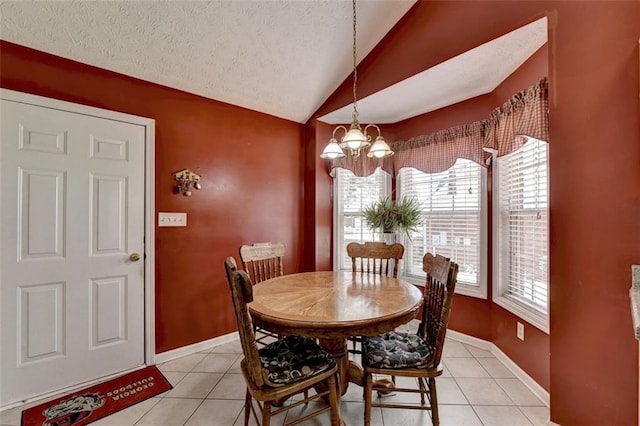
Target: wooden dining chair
(375, 258)
(284, 368)
(263, 261)
(415, 355)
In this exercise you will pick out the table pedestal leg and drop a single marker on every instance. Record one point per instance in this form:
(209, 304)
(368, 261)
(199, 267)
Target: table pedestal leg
(351, 371)
(338, 348)
(356, 375)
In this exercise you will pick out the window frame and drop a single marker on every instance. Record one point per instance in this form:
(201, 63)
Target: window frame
(536, 317)
(338, 228)
(481, 289)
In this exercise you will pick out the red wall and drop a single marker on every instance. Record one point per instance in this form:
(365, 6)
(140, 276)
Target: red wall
(591, 354)
(251, 190)
(318, 200)
(532, 354)
(594, 211)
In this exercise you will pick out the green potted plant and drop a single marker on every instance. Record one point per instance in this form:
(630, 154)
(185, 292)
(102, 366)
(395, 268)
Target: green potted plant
(390, 216)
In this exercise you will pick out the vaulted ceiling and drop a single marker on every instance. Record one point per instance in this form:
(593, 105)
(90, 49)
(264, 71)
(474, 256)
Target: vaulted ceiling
(282, 57)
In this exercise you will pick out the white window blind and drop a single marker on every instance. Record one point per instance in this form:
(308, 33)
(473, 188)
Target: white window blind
(352, 195)
(451, 202)
(522, 226)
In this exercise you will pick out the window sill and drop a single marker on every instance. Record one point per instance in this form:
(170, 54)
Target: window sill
(533, 317)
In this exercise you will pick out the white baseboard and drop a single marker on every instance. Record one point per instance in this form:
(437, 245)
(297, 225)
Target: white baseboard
(533, 386)
(470, 340)
(196, 347)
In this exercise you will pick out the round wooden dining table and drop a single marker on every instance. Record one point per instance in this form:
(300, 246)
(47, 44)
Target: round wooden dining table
(331, 306)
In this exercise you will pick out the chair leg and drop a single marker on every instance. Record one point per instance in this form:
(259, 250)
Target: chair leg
(266, 413)
(434, 401)
(423, 389)
(247, 408)
(368, 394)
(334, 401)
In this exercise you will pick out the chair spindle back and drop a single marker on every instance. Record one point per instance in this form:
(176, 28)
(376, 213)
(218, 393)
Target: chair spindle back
(439, 289)
(375, 257)
(263, 260)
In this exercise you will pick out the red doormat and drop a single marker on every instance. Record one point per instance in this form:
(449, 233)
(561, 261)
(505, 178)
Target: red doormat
(95, 402)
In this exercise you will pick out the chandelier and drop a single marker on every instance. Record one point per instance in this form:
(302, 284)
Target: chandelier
(355, 138)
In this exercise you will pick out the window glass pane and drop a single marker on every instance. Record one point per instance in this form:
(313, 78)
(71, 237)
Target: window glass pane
(451, 205)
(352, 195)
(522, 191)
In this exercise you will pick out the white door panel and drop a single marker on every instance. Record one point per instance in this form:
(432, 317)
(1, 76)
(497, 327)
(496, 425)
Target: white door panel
(72, 212)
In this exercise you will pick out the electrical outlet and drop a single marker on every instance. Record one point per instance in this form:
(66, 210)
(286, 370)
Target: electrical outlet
(520, 331)
(172, 219)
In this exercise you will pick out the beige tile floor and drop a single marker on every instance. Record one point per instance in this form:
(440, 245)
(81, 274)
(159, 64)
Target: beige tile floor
(208, 389)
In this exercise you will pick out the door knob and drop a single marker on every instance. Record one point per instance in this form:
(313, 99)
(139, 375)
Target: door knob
(134, 257)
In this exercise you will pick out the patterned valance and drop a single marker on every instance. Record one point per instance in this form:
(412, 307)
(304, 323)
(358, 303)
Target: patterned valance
(526, 113)
(439, 151)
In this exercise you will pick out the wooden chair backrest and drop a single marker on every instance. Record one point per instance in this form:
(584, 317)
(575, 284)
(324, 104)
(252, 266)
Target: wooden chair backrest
(241, 294)
(263, 260)
(442, 275)
(375, 257)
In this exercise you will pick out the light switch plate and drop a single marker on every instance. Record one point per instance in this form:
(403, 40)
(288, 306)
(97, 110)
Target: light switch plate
(172, 219)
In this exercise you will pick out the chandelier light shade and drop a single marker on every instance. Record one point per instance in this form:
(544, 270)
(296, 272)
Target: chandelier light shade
(355, 138)
(380, 149)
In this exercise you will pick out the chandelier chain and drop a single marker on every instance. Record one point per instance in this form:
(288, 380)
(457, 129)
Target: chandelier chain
(355, 137)
(355, 69)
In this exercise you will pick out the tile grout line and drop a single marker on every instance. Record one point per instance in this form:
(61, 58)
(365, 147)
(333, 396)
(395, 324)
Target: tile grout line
(504, 390)
(455, 379)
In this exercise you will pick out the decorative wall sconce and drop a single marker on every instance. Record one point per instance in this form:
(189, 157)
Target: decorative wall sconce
(186, 180)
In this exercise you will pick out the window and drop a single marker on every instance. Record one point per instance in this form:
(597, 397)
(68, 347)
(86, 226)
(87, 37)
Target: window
(521, 220)
(352, 194)
(453, 204)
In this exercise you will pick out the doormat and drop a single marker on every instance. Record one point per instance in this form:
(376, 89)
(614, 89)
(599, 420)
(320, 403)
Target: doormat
(95, 402)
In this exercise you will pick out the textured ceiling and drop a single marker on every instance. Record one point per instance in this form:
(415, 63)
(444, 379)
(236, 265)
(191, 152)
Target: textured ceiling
(280, 57)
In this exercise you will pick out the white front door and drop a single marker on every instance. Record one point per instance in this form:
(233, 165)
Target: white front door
(72, 219)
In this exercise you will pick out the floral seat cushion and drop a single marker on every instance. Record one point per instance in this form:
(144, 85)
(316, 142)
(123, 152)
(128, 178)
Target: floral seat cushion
(396, 350)
(293, 358)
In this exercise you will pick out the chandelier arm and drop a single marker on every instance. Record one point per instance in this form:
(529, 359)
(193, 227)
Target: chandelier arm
(375, 127)
(338, 128)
